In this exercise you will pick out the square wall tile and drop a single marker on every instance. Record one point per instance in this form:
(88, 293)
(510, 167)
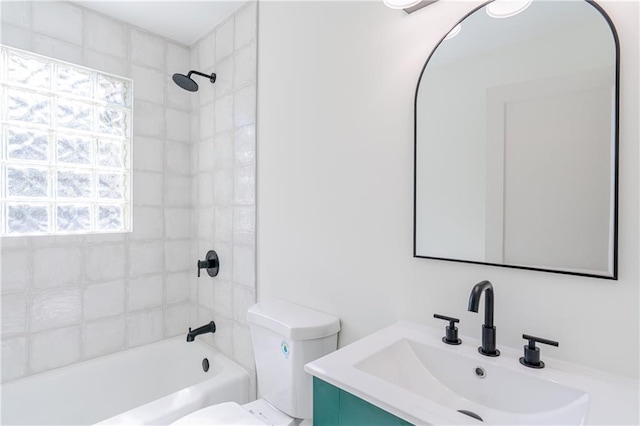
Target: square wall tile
(14, 314)
(224, 114)
(176, 287)
(244, 226)
(246, 68)
(223, 298)
(246, 24)
(244, 266)
(147, 189)
(177, 223)
(148, 119)
(224, 39)
(178, 125)
(178, 256)
(206, 52)
(148, 154)
(243, 299)
(206, 291)
(105, 35)
(147, 49)
(55, 308)
(103, 300)
(223, 188)
(224, 224)
(245, 146)
(206, 156)
(244, 106)
(178, 59)
(145, 293)
(104, 262)
(224, 151)
(14, 358)
(55, 348)
(177, 190)
(242, 347)
(104, 337)
(245, 185)
(206, 189)
(144, 327)
(16, 13)
(16, 269)
(225, 76)
(147, 223)
(57, 267)
(176, 320)
(177, 97)
(48, 17)
(179, 158)
(148, 84)
(145, 258)
(206, 223)
(207, 121)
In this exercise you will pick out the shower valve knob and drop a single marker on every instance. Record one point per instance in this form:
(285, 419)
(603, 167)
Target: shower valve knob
(211, 264)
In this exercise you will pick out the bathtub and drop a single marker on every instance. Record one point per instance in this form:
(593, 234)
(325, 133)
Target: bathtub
(152, 384)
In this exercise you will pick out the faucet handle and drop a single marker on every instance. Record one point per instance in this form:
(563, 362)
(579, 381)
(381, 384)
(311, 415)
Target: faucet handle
(531, 356)
(451, 332)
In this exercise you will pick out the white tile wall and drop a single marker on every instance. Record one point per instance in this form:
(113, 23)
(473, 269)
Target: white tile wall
(147, 49)
(104, 300)
(61, 21)
(70, 298)
(105, 35)
(53, 267)
(223, 164)
(103, 337)
(54, 348)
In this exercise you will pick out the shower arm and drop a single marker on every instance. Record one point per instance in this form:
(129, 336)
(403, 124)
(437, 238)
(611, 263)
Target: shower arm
(211, 77)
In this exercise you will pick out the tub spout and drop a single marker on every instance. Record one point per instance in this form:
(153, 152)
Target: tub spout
(207, 328)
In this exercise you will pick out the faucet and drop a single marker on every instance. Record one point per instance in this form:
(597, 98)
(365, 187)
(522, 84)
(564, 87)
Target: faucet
(488, 347)
(207, 328)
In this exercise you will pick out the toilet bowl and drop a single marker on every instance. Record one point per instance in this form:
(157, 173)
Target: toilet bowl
(285, 337)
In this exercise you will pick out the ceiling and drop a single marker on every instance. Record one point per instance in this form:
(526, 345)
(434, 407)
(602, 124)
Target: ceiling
(183, 21)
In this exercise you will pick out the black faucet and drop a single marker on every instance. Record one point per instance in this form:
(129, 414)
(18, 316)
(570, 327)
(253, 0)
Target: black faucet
(488, 347)
(207, 328)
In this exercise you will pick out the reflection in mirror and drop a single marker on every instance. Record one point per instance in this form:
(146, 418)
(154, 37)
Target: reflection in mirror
(516, 142)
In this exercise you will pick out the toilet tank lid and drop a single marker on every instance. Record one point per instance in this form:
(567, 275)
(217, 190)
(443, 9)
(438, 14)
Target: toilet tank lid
(292, 321)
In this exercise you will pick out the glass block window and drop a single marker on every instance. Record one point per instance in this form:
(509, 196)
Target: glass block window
(65, 154)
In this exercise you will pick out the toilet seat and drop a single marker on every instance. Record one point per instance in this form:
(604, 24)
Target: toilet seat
(255, 413)
(227, 413)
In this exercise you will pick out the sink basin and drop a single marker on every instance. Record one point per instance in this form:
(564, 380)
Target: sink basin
(408, 371)
(471, 386)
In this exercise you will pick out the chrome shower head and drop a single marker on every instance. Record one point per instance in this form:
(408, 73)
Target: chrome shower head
(187, 83)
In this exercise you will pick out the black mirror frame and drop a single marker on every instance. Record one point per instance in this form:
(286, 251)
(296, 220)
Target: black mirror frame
(616, 124)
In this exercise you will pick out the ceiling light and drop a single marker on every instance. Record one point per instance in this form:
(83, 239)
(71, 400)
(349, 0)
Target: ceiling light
(401, 4)
(507, 8)
(454, 32)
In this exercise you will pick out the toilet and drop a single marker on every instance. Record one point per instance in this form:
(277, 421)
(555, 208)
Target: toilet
(285, 337)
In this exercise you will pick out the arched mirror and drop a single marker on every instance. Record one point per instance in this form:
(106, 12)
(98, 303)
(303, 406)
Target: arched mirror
(516, 128)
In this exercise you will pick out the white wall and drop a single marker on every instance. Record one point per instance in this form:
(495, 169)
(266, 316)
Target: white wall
(335, 187)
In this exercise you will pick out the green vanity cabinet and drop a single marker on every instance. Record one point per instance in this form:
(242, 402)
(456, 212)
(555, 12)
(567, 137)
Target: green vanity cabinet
(334, 407)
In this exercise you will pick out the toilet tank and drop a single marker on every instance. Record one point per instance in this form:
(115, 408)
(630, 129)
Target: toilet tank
(285, 337)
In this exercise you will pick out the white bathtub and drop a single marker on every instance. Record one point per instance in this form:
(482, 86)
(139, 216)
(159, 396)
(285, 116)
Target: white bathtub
(152, 384)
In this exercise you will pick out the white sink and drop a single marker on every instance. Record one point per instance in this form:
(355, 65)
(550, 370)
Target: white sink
(407, 370)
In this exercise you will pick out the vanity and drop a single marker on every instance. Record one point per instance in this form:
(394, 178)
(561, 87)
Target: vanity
(405, 374)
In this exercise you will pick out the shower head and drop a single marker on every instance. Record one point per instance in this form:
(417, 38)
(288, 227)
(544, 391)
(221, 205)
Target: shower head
(187, 83)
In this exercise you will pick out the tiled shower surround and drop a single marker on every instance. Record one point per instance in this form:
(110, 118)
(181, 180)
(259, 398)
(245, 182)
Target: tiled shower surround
(66, 299)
